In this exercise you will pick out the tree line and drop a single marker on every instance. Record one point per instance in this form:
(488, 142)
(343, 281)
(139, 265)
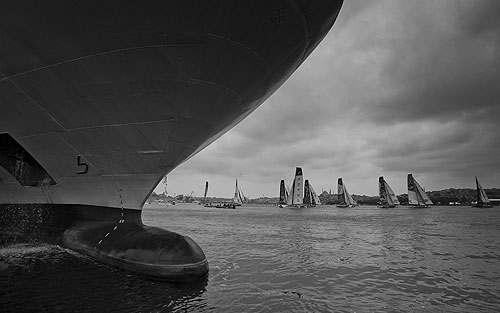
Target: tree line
(463, 196)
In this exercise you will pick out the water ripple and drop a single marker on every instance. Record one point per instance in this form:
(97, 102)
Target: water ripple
(267, 259)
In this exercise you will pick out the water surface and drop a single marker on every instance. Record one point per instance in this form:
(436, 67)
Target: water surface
(268, 259)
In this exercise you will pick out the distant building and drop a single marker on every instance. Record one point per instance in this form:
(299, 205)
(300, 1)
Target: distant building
(495, 201)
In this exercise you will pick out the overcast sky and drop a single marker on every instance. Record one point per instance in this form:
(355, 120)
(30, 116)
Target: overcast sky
(396, 87)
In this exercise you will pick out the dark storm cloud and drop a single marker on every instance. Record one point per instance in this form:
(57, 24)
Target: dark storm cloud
(444, 61)
(395, 87)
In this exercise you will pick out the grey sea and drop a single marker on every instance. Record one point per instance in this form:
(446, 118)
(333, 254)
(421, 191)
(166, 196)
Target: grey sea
(269, 259)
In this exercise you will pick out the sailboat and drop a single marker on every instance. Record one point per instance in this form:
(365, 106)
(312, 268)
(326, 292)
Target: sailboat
(387, 197)
(238, 197)
(482, 200)
(310, 196)
(205, 194)
(284, 191)
(417, 198)
(345, 199)
(205, 202)
(295, 198)
(314, 196)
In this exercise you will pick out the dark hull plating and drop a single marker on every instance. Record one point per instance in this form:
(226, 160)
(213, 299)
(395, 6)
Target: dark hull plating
(100, 99)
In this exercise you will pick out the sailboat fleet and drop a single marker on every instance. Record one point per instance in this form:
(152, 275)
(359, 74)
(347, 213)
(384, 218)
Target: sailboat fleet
(301, 194)
(237, 200)
(417, 197)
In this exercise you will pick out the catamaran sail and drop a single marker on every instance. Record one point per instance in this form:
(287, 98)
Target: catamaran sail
(295, 198)
(416, 194)
(298, 187)
(387, 197)
(307, 194)
(205, 202)
(345, 199)
(310, 196)
(206, 191)
(314, 196)
(482, 200)
(283, 193)
(242, 196)
(238, 198)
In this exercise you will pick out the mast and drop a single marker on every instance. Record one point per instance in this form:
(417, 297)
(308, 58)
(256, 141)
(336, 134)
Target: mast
(478, 192)
(165, 182)
(206, 190)
(236, 190)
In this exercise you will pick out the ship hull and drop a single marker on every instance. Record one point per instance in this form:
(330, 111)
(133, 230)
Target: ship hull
(100, 100)
(110, 97)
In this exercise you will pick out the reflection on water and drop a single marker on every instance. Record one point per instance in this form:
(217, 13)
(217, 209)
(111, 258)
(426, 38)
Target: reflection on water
(268, 259)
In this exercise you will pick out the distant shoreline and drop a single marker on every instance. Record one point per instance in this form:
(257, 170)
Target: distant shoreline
(462, 196)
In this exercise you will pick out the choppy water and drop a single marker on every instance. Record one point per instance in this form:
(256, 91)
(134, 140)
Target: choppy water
(267, 259)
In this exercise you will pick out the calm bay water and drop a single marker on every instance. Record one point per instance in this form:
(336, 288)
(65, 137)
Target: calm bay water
(268, 259)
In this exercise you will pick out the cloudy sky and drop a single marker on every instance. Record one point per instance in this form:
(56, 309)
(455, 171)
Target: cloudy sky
(396, 87)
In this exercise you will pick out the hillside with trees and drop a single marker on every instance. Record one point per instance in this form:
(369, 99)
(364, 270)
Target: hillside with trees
(442, 197)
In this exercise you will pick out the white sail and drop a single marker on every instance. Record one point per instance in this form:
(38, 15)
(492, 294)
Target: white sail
(391, 194)
(344, 196)
(413, 198)
(416, 194)
(482, 198)
(424, 195)
(238, 198)
(242, 196)
(314, 196)
(412, 191)
(349, 199)
(387, 196)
